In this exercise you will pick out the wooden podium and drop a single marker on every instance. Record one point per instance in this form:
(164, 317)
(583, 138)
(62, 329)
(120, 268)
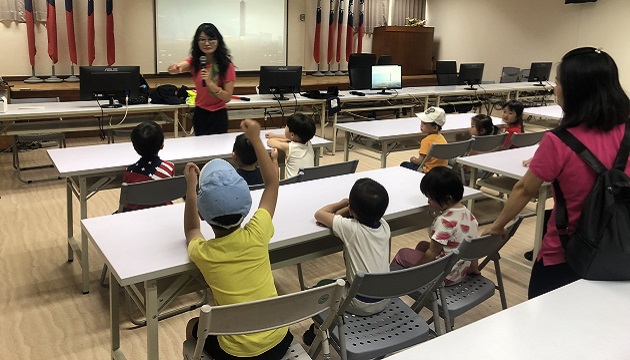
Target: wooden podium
(410, 47)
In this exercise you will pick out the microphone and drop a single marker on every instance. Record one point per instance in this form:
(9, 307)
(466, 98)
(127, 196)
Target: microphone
(202, 60)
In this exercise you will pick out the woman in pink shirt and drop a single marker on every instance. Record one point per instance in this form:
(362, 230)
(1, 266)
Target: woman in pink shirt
(596, 110)
(211, 66)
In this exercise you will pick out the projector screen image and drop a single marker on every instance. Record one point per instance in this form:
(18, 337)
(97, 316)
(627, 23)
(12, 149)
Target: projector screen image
(386, 77)
(252, 30)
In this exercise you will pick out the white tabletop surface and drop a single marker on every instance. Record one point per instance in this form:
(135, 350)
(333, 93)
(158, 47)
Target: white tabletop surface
(395, 128)
(583, 320)
(506, 162)
(150, 243)
(550, 111)
(268, 100)
(76, 108)
(96, 159)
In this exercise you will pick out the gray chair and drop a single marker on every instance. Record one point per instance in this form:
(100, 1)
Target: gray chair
(525, 139)
(449, 151)
(384, 60)
(360, 70)
(488, 143)
(524, 75)
(267, 314)
(510, 74)
(475, 289)
(446, 72)
(398, 326)
(58, 137)
(291, 180)
(323, 171)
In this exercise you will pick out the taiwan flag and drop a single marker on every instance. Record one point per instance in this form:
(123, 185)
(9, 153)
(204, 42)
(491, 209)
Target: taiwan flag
(318, 31)
(90, 32)
(51, 29)
(72, 46)
(30, 30)
(109, 30)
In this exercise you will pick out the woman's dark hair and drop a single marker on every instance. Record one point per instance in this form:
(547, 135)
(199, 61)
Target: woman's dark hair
(517, 107)
(442, 185)
(221, 54)
(368, 201)
(147, 138)
(591, 92)
(484, 125)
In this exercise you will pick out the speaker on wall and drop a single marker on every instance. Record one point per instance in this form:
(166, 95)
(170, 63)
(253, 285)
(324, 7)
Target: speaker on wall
(578, 1)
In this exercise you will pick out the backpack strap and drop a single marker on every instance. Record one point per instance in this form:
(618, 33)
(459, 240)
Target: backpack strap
(579, 148)
(624, 150)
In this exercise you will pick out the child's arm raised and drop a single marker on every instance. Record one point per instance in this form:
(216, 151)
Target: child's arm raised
(191, 214)
(268, 170)
(326, 214)
(280, 144)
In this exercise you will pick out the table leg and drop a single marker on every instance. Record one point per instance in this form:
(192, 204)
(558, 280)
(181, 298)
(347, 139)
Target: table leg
(473, 180)
(334, 130)
(318, 152)
(346, 146)
(85, 264)
(437, 100)
(322, 120)
(151, 304)
(176, 123)
(69, 218)
(540, 218)
(384, 147)
(114, 316)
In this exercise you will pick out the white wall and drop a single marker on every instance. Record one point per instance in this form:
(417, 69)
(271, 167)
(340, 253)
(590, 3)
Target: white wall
(517, 32)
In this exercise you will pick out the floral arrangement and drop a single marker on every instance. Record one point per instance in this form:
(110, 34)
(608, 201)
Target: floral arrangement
(415, 22)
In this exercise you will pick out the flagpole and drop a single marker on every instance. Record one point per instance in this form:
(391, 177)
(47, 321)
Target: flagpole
(33, 79)
(339, 31)
(317, 44)
(331, 36)
(51, 30)
(30, 34)
(72, 77)
(72, 45)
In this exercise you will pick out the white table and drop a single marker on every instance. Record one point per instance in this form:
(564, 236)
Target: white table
(509, 163)
(14, 121)
(89, 169)
(583, 320)
(551, 112)
(385, 136)
(296, 238)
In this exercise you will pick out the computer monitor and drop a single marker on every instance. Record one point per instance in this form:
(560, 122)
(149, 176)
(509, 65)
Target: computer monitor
(109, 82)
(470, 74)
(385, 77)
(279, 80)
(539, 71)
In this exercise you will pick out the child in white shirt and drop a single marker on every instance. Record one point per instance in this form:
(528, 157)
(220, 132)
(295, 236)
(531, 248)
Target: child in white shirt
(295, 143)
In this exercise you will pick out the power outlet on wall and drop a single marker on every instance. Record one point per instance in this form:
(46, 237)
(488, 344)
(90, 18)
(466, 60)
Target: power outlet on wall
(302, 17)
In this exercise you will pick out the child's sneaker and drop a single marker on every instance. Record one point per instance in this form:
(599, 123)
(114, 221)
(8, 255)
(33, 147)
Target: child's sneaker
(309, 335)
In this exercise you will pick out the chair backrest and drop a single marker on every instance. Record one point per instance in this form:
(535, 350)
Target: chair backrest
(34, 100)
(384, 60)
(446, 79)
(291, 180)
(525, 75)
(510, 74)
(447, 151)
(446, 72)
(526, 139)
(493, 254)
(488, 142)
(396, 283)
(152, 192)
(267, 314)
(318, 172)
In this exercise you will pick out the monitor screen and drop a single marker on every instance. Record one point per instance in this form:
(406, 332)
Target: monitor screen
(279, 80)
(470, 74)
(539, 71)
(109, 82)
(386, 77)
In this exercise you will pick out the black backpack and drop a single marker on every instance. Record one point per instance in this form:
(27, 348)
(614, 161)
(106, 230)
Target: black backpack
(599, 249)
(165, 94)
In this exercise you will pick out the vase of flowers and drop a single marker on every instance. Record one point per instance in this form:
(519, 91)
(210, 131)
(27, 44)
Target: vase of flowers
(415, 22)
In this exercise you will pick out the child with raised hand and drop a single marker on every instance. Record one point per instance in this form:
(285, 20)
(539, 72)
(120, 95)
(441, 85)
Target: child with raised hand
(431, 122)
(147, 139)
(235, 264)
(295, 143)
(444, 190)
(513, 118)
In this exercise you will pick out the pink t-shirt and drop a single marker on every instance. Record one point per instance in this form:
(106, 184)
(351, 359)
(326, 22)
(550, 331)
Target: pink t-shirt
(555, 160)
(204, 100)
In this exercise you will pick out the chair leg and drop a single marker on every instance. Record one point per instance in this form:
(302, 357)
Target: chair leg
(497, 269)
(436, 315)
(447, 316)
(105, 276)
(300, 277)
